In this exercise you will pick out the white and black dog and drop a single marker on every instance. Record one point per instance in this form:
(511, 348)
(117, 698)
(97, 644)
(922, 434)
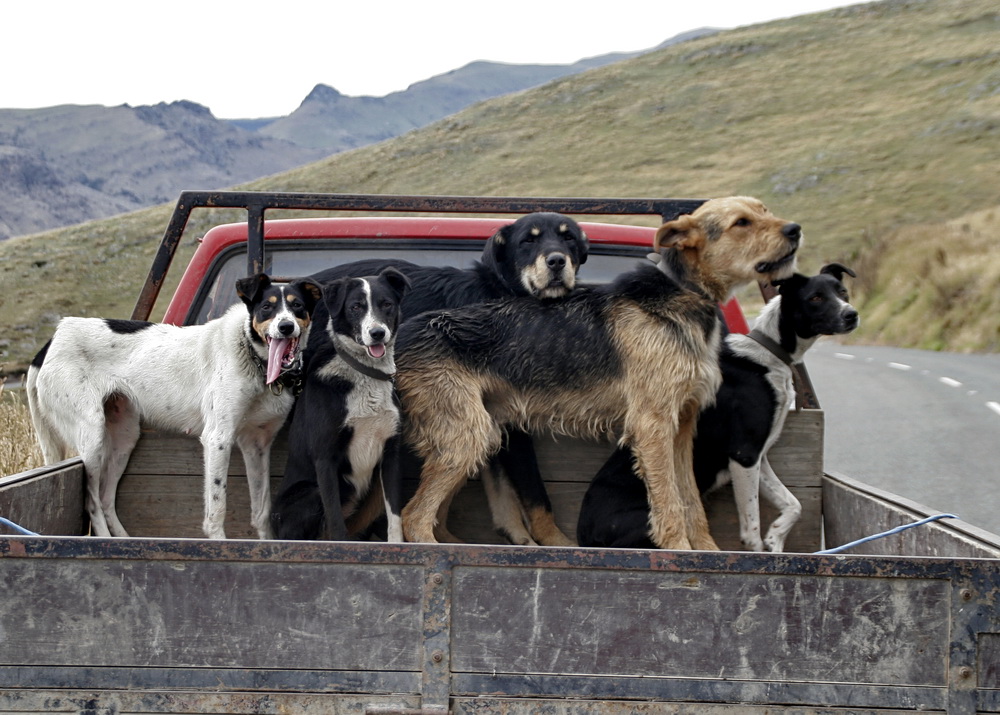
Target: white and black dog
(345, 426)
(735, 434)
(96, 380)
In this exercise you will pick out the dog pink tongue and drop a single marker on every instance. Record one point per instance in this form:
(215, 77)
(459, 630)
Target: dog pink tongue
(376, 351)
(275, 351)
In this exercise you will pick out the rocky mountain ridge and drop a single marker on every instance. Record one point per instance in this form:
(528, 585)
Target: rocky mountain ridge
(70, 164)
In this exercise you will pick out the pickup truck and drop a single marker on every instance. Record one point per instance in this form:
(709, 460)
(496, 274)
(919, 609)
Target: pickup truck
(166, 621)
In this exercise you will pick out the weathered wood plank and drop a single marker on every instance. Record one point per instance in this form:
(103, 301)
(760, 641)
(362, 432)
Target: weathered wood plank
(852, 511)
(237, 703)
(552, 706)
(743, 627)
(48, 500)
(203, 614)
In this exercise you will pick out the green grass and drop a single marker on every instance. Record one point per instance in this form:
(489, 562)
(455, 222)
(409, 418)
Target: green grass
(858, 123)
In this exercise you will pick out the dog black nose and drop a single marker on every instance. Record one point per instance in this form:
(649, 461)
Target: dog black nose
(792, 231)
(850, 317)
(286, 327)
(556, 261)
(377, 334)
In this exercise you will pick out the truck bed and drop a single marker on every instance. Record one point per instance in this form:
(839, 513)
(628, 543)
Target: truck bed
(168, 624)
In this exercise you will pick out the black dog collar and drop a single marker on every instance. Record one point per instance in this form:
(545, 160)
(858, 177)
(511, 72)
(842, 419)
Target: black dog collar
(364, 369)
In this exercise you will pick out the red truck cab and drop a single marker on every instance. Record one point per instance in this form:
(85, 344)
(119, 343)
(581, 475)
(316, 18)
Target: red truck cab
(299, 247)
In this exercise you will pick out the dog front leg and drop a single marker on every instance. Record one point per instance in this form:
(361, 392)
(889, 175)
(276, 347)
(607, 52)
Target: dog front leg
(391, 478)
(655, 465)
(328, 479)
(255, 445)
(746, 491)
(422, 515)
(695, 519)
(218, 445)
(790, 508)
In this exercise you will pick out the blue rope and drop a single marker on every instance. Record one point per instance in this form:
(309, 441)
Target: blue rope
(890, 532)
(19, 529)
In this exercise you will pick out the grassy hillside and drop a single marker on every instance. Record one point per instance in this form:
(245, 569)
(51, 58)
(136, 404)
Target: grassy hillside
(859, 123)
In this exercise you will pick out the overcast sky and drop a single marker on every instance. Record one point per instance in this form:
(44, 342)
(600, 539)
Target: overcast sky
(260, 59)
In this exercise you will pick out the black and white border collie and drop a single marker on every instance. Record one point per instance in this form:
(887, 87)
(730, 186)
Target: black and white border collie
(96, 380)
(735, 434)
(345, 426)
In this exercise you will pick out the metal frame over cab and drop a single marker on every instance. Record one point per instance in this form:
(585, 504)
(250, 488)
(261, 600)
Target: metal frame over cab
(159, 623)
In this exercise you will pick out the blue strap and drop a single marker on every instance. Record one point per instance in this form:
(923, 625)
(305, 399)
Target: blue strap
(890, 532)
(19, 529)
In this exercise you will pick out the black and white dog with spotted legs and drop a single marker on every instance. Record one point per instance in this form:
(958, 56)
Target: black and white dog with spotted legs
(344, 428)
(92, 385)
(735, 434)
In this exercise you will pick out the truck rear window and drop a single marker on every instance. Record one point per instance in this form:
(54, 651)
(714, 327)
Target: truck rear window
(284, 259)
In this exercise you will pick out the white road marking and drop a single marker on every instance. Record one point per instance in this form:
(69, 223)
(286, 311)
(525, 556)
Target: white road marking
(899, 366)
(995, 406)
(843, 356)
(949, 382)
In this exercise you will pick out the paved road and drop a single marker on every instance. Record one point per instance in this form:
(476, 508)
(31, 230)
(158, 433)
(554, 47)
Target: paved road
(925, 425)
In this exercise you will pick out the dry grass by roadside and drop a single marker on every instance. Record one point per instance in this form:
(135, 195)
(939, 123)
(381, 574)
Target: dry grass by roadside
(934, 286)
(18, 449)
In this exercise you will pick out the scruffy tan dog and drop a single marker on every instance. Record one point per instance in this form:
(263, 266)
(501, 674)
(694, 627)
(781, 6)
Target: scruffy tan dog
(637, 357)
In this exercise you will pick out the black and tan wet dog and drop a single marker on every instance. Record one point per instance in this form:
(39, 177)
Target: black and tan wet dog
(636, 358)
(344, 430)
(737, 432)
(96, 380)
(537, 257)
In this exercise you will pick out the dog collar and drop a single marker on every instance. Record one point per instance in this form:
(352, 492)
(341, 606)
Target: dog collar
(771, 346)
(364, 369)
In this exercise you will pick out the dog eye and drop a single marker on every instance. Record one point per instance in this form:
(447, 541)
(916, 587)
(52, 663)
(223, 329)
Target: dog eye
(817, 299)
(742, 222)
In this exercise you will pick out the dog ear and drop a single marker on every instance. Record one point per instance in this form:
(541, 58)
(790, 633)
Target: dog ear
(250, 288)
(495, 250)
(397, 280)
(682, 232)
(794, 280)
(837, 271)
(334, 295)
(311, 292)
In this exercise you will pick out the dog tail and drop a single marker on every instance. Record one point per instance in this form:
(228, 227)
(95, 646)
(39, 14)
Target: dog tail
(52, 446)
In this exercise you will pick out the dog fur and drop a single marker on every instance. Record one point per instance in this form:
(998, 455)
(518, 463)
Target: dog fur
(344, 428)
(537, 256)
(637, 358)
(96, 380)
(737, 432)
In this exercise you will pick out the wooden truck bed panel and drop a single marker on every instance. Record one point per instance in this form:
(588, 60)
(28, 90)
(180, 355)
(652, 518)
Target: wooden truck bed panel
(421, 624)
(161, 492)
